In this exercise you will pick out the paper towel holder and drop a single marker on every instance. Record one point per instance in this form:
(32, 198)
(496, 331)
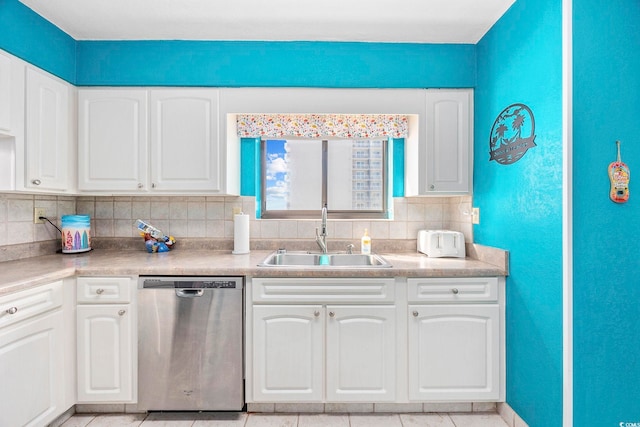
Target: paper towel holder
(240, 234)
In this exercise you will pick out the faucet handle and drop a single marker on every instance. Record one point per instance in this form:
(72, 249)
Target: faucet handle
(350, 248)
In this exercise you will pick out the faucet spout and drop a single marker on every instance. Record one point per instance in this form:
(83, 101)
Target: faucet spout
(321, 237)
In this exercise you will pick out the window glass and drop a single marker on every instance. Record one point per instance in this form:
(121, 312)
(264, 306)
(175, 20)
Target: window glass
(355, 175)
(301, 175)
(293, 177)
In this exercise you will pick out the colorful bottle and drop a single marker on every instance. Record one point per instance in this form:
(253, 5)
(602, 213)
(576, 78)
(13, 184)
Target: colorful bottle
(365, 243)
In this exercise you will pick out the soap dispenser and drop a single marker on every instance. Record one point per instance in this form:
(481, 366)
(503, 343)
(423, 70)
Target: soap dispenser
(365, 243)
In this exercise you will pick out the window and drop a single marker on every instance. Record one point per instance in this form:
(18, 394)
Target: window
(299, 176)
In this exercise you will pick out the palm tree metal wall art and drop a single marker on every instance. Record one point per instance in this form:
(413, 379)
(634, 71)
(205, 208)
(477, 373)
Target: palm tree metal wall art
(512, 134)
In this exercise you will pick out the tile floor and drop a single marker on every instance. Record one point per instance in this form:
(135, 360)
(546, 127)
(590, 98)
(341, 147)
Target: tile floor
(234, 419)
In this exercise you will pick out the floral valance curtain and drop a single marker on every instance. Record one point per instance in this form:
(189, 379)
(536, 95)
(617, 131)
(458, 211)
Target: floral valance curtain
(322, 125)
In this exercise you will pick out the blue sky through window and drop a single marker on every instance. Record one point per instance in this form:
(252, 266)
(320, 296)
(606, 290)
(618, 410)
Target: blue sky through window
(277, 180)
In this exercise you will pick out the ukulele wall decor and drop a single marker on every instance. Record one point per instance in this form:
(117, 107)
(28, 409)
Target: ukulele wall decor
(512, 134)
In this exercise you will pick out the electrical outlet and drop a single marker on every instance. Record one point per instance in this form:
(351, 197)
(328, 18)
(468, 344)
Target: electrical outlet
(37, 213)
(237, 210)
(475, 215)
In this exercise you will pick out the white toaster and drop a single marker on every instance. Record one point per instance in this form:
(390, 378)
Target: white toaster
(441, 243)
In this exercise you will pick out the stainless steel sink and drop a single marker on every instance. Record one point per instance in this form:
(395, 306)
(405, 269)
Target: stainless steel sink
(311, 259)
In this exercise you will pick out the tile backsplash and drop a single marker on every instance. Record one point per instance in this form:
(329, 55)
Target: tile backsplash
(211, 217)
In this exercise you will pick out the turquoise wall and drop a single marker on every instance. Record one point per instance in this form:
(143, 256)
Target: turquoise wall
(520, 61)
(273, 64)
(606, 85)
(232, 64)
(25, 34)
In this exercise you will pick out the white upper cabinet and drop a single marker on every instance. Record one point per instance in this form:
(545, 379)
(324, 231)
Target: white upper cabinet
(47, 142)
(5, 93)
(112, 139)
(139, 140)
(442, 162)
(185, 147)
(12, 74)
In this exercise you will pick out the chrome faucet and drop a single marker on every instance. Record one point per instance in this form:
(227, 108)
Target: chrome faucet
(321, 238)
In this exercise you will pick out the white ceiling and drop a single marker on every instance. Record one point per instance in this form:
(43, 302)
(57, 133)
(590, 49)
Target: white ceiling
(412, 21)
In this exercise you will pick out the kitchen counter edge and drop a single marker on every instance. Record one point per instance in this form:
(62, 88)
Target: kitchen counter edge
(30, 272)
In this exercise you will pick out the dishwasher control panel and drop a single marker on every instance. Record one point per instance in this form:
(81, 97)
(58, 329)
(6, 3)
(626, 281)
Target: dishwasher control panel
(190, 282)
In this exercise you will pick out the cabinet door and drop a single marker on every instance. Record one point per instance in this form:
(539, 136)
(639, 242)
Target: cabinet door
(361, 349)
(105, 353)
(112, 139)
(449, 141)
(185, 149)
(32, 371)
(5, 93)
(454, 352)
(288, 353)
(47, 132)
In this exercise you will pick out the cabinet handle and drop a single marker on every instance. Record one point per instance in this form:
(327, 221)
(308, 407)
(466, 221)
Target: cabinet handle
(12, 310)
(332, 314)
(122, 312)
(316, 313)
(415, 313)
(140, 185)
(36, 182)
(153, 185)
(99, 291)
(454, 290)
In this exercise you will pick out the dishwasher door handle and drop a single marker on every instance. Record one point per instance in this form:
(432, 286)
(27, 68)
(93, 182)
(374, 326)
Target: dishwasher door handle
(189, 293)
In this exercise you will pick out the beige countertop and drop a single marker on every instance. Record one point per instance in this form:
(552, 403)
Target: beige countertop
(29, 272)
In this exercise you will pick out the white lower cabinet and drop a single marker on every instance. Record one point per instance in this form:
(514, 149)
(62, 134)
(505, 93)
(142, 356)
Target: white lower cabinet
(455, 346)
(323, 351)
(288, 353)
(454, 352)
(105, 340)
(376, 340)
(301, 350)
(32, 356)
(361, 363)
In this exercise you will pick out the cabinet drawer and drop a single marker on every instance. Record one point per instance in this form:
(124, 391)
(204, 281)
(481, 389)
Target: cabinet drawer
(473, 289)
(104, 290)
(323, 290)
(30, 302)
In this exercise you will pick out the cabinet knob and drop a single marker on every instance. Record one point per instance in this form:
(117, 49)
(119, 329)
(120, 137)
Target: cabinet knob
(99, 291)
(140, 185)
(12, 310)
(122, 312)
(36, 182)
(415, 313)
(332, 314)
(153, 185)
(432, 187)
(454, 290)
(316, 313)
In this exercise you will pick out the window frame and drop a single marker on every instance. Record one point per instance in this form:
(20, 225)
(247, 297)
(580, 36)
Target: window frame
(383, 213)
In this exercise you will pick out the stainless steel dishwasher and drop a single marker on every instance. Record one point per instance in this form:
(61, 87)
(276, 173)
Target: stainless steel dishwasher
(190, 343)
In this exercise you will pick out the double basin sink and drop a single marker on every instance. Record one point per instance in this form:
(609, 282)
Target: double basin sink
(333, 260)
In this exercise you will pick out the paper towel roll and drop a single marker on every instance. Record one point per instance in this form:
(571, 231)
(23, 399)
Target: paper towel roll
(240, 234)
